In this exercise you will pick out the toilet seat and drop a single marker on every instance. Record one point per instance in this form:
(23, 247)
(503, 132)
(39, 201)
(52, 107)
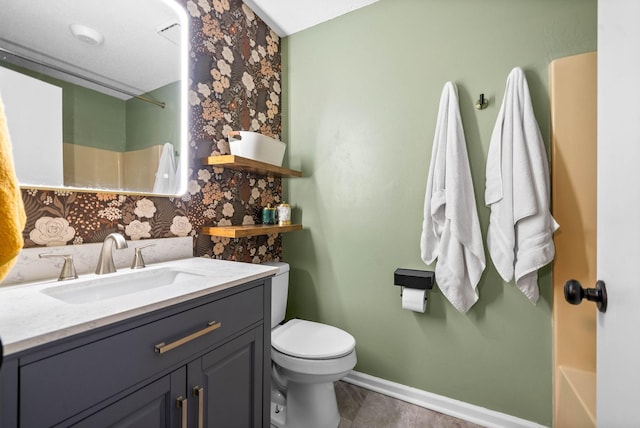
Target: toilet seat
(311, 340)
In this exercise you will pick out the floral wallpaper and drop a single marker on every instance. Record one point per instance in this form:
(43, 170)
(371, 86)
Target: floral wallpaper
(234, 85)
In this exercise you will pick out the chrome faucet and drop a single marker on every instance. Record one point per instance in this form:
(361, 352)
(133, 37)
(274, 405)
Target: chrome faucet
(105, 262)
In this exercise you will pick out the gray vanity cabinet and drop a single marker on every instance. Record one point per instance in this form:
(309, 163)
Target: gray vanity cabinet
(204, 362)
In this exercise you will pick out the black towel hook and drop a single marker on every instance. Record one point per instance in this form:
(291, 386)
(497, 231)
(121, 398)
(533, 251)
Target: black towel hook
(482, 103)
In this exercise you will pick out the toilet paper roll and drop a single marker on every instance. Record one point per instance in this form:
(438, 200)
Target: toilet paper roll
(414, 299)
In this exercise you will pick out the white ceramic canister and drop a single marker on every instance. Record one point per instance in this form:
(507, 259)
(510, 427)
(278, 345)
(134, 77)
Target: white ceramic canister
(284, 214)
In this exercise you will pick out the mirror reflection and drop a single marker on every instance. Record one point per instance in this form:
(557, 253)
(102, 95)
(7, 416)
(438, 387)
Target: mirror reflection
(95, 93)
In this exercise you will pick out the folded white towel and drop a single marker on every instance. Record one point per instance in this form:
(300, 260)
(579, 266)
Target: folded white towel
(520, 231)
(451, 230)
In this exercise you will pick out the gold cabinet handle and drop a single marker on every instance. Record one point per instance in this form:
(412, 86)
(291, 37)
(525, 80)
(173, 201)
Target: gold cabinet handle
(181, 403)
(198, 391)
(161, 348)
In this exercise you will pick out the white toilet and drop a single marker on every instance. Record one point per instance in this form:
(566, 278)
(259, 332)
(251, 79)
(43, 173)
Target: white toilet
(306, 359)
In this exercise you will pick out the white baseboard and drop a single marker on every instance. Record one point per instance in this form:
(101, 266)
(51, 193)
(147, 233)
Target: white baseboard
(448, 406)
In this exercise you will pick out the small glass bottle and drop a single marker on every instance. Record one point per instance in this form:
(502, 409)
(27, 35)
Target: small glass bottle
(284, 214)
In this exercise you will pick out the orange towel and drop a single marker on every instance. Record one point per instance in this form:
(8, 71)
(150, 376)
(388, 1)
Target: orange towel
(12, 215)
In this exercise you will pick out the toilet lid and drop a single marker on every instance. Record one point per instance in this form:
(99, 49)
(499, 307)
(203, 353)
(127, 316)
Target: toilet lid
(311, 340)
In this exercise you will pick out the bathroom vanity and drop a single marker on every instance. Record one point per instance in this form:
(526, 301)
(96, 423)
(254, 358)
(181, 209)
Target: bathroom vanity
(192, 353)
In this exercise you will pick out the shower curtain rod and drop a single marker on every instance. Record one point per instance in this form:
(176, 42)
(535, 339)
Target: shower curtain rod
(9, 53)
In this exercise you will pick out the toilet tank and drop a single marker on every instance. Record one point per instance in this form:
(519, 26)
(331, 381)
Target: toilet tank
(279, 292)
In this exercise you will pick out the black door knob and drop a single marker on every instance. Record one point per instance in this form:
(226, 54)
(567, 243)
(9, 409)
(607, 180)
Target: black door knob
(574, 293)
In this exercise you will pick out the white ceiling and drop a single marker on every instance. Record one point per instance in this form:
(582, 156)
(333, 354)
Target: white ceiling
(286, 17)
(133, 55)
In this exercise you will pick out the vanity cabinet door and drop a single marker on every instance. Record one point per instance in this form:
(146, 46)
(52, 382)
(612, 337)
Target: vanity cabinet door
(226, 384)
(151, 406)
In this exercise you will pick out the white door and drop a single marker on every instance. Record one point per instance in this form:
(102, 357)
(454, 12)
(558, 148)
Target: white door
(618, 357)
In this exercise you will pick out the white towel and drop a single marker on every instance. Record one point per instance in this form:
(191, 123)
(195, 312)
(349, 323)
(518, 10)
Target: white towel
(451, 230)
(166, 173)
(520, 231)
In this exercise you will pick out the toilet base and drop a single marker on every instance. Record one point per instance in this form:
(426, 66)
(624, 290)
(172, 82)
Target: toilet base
(308, 406)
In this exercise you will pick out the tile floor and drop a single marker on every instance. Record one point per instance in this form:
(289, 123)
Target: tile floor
(362, 408)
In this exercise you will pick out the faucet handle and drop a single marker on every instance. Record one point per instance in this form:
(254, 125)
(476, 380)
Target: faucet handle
(138, 261)
(68, 270)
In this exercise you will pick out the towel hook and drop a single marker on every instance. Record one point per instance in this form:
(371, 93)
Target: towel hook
(482, 103)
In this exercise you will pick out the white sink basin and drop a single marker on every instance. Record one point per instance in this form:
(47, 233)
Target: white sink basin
(116, 285)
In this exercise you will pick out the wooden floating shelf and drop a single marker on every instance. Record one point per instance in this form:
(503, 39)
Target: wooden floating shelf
(248, 230)
(244, 164)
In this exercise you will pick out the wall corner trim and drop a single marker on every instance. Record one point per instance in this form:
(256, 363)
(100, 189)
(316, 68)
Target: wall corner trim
(439, 403)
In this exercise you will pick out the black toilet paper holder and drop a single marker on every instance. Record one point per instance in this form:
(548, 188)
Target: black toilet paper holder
(414, 278)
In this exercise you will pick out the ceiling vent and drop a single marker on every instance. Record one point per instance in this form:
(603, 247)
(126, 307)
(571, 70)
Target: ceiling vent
(171, 32)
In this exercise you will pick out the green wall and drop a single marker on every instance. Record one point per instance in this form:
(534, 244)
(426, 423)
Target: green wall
(93, 119)
(149, 125)
(360, 98)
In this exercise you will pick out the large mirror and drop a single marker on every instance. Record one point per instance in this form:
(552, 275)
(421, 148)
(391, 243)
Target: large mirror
(95, 93)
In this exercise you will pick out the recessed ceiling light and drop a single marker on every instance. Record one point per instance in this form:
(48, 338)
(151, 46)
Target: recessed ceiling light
(86, 34)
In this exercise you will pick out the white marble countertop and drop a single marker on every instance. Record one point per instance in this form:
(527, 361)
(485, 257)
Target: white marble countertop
(29, 317)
